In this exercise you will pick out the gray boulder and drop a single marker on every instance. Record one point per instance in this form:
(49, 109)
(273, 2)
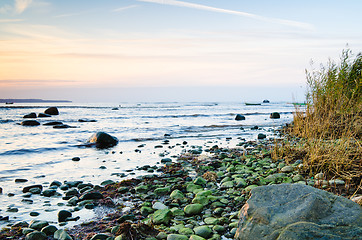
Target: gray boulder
(275, 115)
(295, 211)
(30, 123)
(52, 111)
(103, 140)
(239, 117)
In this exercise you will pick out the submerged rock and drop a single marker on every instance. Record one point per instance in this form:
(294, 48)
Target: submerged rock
(30, 123)
(103, 140)
(274, 115)
(295, 211)
(30, 115)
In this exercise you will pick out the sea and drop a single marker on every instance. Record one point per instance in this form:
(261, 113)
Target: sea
(147, 133)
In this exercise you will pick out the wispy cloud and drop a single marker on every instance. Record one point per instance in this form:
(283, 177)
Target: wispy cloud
(124, 8)
(21, 5)
(232, 12)
(10, 20)
(5, 9)
(69, 15)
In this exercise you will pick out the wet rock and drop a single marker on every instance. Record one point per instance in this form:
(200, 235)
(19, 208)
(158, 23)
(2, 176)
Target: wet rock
(261, 136)
(43, 115)
(53, 123)
(295, 211)
(36, 235)
(63, 215)
(34, 214)
(287, 169)
(30, 115)
(49, 192)
(100, 236)
(162, 216)
(239, 117)
(21, 180)
(49, 230)
(274, 115)
(91, 196)
(30, 123)
(103, 140)
(38, 224)
(203, 231)
(177, 194)
(61, 234)
(76, 159)
(106, 182)
(62, 126)
(177, 237)
(159, 205)
(27, 189)
(52, 111)
(193, 209)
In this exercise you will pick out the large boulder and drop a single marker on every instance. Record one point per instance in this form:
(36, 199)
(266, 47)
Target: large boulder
(52, 111)
(103, 140)
(275, 115)
(296, 211)
(239, 117)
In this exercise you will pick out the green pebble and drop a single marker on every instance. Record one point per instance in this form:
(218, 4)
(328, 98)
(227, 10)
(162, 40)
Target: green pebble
(219, 228)
(177, 194)
(203, 231)
(162, 191)
(201, 199)
(195, 237)
(177, 237)
(186, 231)
(200, 181)
(162, 216)
(193, 209)
(211, 221)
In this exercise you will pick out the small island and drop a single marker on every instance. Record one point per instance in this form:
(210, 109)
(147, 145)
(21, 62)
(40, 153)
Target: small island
(31, 100)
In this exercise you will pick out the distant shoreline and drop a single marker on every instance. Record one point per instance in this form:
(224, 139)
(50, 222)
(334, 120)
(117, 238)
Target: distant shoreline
(31, 100)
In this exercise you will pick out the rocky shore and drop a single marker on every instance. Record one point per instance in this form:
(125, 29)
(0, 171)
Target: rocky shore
(196, 197)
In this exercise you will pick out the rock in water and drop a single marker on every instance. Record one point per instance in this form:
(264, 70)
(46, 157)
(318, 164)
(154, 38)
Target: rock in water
(295, 211)
(52, 111)
(239, 117)
(30, 115)
(274, 115)
(103, 140)
(30, 123)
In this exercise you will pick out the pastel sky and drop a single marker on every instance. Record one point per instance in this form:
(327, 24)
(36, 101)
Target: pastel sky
(102, 50)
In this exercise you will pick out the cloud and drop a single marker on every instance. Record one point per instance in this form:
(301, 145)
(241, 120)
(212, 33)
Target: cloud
(5, 9)
(21, 5)
(10, 20)
(124, 8)
(232, 12)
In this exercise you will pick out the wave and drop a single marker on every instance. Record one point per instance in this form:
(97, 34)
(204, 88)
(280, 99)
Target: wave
(28, 151)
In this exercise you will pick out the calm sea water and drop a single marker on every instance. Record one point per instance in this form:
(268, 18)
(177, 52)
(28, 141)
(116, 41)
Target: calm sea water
(42, 154)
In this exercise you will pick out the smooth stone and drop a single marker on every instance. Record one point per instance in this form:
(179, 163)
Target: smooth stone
(21, 180)
(30, 115)
(100, 236)
(200, 181)
(159, 206)
(63, 215)
(145, 211)
(162, 191)
(36, 235)
(261, 136)
(275, 115)
(227, 184)
(30, 123)
(177, 237)
(49, 230)
(319, 176)
(195, 237)
(35, 190)
(61, 234)
(52, 111)
(38, 224)
(34, 214)
(49, 192)
(298, 178)
(162, 216)
(103, 140)
(166, 160)
(43, 115)
(201, 199)
(76, 159)
(91, 196)
(186, 231)
(27, 230)
(106, 182)
(27, 189)
(287, 169)
(296, 211)
(203, 231)
(161, 235)
(336, 182)
(211, 221)
(239, 117)
(53, 123)
(193, 209)
(177, 194)
(218, 228)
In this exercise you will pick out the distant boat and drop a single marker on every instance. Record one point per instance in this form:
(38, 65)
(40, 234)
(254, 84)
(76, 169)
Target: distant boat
(266, 101)
(252, 104)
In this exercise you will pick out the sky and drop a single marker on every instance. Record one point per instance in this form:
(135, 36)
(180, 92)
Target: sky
(170, 50)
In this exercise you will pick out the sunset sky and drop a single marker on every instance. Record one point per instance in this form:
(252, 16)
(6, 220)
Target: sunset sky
(145, 50)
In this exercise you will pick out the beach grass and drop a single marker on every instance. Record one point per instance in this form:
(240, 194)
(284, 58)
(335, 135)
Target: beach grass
(326, 134)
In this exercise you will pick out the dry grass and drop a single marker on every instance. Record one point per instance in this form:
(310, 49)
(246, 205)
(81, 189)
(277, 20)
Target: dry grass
(326, 135)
